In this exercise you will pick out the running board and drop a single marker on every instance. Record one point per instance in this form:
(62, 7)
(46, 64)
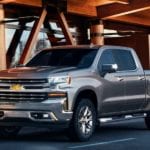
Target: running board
(122, 118)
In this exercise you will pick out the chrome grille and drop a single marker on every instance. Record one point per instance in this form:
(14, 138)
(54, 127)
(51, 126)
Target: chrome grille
(28, 94)
(5, 84)
(23, 81)
(22, 97)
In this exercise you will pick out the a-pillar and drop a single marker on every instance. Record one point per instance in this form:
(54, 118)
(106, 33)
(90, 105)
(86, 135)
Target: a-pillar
(2, 40)
(96, 32)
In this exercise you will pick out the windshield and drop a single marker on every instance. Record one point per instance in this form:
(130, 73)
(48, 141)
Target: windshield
(80, 58)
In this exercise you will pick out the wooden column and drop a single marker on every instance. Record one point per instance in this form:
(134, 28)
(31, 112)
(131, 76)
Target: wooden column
(2, 41)
(33, 37)
(14, 43)
(96, 32)
(65, 28)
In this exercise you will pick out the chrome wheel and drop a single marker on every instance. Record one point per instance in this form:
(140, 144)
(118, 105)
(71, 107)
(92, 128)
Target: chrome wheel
(83, 123)
(85, 120)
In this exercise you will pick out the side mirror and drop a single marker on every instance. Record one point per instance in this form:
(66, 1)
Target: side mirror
(109, 68)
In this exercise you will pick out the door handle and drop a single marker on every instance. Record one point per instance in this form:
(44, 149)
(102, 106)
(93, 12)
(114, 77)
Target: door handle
(120, 79)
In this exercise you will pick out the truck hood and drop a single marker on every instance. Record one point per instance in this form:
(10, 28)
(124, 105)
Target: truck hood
(34, 72)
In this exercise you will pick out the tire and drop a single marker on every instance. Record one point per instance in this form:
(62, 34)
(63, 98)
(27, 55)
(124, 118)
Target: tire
(9, 132)
(147, 122)
(83, 123)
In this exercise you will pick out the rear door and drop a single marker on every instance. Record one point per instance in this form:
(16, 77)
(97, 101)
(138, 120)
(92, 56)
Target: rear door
(133, 77)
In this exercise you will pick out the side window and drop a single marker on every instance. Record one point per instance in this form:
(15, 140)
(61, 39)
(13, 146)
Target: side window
(106, 58)
(124, 60)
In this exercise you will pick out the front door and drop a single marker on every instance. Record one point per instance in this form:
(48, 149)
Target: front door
(113, 86)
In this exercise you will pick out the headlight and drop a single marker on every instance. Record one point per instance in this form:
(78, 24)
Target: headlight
(59, 80)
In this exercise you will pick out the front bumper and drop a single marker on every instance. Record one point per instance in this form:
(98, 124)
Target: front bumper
(46, 113)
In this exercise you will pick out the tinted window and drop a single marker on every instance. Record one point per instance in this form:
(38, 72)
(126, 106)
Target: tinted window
(106, 58)
(81, 58)
(124, 60)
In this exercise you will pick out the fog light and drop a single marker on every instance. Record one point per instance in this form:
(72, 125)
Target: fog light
(46, 116)
(40, 115)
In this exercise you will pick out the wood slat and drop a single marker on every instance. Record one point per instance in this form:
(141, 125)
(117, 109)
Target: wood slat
(116, 10)
(103, 2)
(121, 1)
(133, 19)
(92, 2)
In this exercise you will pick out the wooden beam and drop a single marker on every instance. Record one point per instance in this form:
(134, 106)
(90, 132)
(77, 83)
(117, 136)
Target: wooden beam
(65, 28)
(133, 20)
(6, 1)
(14, 43)
(81, 8)
(38, 3)
(116, 10)
(102, 2)
(35, 3)
(88, 7)
(2, 41)
(121, 1)
(93, 2)
(124, 26)
(33, 37)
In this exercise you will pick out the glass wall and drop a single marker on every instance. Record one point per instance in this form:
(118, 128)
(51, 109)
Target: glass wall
(41, 43)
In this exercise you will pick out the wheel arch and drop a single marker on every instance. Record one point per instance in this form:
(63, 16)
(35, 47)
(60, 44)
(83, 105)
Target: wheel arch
(86, 93)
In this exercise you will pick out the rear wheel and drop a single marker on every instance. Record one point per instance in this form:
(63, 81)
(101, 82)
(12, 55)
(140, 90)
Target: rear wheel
(83, 122)
(10, 131)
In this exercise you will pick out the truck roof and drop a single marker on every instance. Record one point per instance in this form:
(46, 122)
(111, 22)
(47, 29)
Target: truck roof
(91, 46)
(76, 47)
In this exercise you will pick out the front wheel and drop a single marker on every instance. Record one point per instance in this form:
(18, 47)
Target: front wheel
(83, 122)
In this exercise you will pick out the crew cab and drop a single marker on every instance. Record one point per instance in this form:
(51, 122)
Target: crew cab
(74, 86)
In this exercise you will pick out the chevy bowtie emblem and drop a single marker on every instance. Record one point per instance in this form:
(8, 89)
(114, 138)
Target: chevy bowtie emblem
(16, 87)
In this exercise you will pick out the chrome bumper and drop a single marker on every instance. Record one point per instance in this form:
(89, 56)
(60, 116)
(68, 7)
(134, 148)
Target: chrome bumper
(46, 113)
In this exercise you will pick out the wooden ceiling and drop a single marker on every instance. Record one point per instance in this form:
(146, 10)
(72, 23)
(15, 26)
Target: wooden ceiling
(129, 11)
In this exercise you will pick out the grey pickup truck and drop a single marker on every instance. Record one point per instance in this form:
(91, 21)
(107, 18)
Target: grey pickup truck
(74, 87)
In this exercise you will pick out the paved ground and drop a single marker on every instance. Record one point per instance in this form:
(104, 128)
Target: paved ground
(127, 135)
